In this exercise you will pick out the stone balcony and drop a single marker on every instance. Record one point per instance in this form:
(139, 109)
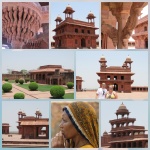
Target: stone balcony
(127, 128)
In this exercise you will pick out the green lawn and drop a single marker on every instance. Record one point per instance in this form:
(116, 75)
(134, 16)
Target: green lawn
(66, 96)
(42, 88)
(69, 96)
(11, 81)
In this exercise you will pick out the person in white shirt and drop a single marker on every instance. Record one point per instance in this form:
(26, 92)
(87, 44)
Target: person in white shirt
(101, 92)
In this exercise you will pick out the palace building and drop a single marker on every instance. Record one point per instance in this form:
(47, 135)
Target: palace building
(124, 134)
(52, 74)
(119, 76)
(119, 20)
(73, 34)
(5, 128)
(79, 83)
(25, 25)
(31, 127)
(141, 33)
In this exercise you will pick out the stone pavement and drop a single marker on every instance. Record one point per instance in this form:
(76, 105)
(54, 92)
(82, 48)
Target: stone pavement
(133, 95)
(30, 94)
(16, 141)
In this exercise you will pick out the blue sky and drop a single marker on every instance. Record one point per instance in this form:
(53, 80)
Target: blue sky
(82, 9)
(138, 109)
(87, 64)
(30, 60)
(10, 111)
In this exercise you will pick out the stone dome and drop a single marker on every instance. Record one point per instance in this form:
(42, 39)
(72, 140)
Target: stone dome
(128, 58)
(90, 15)
(122, 107)
(105, 133)
(102, 58)
(58, 18)
(122, 110)
(68, 7)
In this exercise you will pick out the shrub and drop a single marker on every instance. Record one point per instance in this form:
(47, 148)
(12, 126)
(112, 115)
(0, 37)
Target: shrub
(27, 80)
(19, 96)
(33, 86)
(21, 81)
(17, 80)
(6, 79)
(57, 91)
(7, 87)
(32, 80)
(70, 85)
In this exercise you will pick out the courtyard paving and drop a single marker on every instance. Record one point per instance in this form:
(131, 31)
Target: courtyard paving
(16, 141)
(30, 94)
(133, 95)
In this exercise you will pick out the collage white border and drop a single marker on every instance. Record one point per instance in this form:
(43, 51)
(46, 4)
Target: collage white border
(74, 65)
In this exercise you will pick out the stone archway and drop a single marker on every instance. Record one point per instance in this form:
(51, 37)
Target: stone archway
(115, 87)
(83, 44)
(146, 43)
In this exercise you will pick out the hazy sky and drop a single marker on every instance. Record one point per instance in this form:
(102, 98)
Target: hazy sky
(138, 109)
(82, 9)
(87, 64)
(29, 60)
(10, 111)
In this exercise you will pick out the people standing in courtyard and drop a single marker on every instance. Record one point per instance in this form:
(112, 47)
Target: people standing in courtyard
(101, 92)
(111, 94)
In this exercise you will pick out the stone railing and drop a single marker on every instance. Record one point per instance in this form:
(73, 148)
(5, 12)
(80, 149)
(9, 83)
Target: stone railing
(127, 127)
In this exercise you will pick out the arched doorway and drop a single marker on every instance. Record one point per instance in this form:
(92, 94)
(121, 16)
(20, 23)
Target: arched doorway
(83, 42)
(146, 43)
(115, 87)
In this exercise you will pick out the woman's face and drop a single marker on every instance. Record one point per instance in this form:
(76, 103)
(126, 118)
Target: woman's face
(110, 89)
(67, 128)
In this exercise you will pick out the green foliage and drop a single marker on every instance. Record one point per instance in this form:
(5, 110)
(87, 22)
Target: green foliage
(21, 81)
(33, 86)
(27, 80)
(7, 87)
(17, 80)
(32, 80)
(6, 79)
(57, 91)
(70, 85)
(19, 96)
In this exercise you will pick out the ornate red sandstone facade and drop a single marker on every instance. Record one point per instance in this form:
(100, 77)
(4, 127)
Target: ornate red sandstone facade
(119, 76)
(123, 135)
(141, 33)
(72, 33)
(52, 74)
(30, 127)
(21, 22)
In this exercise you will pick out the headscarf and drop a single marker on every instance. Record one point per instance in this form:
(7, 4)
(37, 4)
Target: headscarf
(83, 117)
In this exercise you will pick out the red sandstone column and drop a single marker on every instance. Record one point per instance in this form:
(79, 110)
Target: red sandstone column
(122, 19)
